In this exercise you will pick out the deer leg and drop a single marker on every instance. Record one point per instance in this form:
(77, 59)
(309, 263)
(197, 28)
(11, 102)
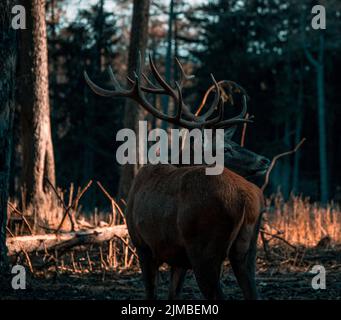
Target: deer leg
(207, 274)
(206, 260)
(149, 272)
(242, 256)
(177, 278)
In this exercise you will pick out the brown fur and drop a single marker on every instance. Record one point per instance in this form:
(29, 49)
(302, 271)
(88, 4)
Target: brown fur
(191, 220)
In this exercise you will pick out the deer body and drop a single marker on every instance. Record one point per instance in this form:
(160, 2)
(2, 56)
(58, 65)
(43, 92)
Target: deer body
(180, 215)
(193, 221)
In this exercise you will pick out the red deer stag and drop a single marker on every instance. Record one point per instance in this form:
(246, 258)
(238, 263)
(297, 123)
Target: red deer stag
(179, 215)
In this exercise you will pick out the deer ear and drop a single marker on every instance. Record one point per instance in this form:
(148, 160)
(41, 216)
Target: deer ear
(230, 132)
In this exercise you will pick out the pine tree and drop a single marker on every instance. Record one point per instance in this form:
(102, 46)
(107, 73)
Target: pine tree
(33, 98)
(8, 58)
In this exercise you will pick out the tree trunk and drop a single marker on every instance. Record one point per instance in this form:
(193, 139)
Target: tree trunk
(89, 154)
(298, 135)
(286, 162)
(168, 75)
(322, 123)
(7, 85)
(318, 64)
(33, 98)
(132, 112)
(286, 167)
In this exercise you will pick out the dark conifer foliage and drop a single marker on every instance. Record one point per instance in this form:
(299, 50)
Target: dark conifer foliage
(85, 125)
(261, 45)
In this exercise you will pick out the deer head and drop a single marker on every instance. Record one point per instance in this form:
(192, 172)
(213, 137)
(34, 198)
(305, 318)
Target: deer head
(241, 160)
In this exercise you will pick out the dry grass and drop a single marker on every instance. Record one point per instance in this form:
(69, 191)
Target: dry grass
(298, 221)
(301, 222)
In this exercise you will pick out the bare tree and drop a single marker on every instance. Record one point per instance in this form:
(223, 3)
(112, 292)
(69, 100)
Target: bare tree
(138, 42)
(7, 67)
(33, 98)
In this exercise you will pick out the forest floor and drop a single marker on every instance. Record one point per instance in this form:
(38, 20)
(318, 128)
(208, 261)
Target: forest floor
(285, 276)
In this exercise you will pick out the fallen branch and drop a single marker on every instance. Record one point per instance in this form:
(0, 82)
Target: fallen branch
(273, 162)
(64, 241)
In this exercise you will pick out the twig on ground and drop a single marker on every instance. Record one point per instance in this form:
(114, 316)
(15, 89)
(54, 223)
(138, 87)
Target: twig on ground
(131, 261)
(21, 215)
(10, 232)
(28, 260)
(113, 203)
(74, 204)
(279, 238)
(89, 260)
(127, 244)
(62, 203)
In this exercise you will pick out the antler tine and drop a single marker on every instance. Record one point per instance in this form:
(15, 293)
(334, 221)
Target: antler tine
(130, 80)
(154, 89)
(147, 89)
(215, 102)
(237, 119)
(168, 89)
(220, 115)
(113, 78)
(230, 122)
(103, 92)
(149, 81)
(212, 122)
(180, 104)
(184, 77)
(137, 94)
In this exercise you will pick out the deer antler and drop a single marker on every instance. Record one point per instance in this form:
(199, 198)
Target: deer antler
(137, 94)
